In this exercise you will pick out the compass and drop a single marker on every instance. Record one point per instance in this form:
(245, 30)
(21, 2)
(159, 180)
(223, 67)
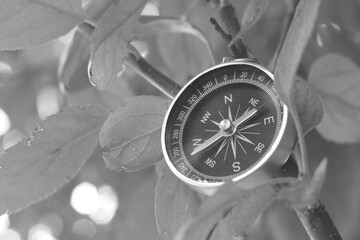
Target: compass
(227, 123)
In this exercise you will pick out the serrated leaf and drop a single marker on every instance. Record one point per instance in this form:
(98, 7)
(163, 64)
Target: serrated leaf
(294, 44)
(131, 135)
(26, 23)
(111, 39)
(308, 105)
(174, 203)
(336, 79)
(53, 154)
(252, 14)
(72, 69)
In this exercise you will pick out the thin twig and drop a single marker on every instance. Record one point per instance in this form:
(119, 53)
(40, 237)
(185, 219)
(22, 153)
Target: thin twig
(230, 20)
(226, 37)
(139, 65)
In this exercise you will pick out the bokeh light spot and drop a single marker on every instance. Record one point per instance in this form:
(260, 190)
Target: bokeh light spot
(10, 234)
(4, 122)
(99, 204)
(40, 232)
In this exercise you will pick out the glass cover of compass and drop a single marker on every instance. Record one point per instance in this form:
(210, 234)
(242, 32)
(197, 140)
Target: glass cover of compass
(224, 124)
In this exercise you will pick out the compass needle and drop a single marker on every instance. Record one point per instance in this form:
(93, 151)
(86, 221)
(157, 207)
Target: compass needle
(233, 146)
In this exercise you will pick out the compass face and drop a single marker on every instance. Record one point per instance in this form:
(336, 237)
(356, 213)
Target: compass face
(225, 123)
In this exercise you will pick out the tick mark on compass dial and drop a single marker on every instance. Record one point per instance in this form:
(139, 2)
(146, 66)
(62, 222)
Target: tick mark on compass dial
(225, 129)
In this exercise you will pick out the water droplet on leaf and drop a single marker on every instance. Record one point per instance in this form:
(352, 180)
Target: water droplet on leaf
(38, 129)
(29, 140)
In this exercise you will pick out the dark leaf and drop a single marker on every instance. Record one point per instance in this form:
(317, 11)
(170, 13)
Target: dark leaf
(174, 203)
(131, 135)
(53, 154)
(27, 23)
(336, 79)
(111, 39)
(72, 69)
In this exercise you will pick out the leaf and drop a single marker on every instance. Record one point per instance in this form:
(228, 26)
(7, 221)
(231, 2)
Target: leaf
(245, 213)
(336, 79)
(308, 106)
(26, 23)
(222, 230)
(210, 212)
(183, 54)
(53, 154)
(110, 41)
(72, 69)
(293, 47)
(131, 135)
(95, 8)
(174, 203)
(252, 14)
(166, 25)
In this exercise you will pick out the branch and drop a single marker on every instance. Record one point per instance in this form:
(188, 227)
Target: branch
(228, 16)
(138, 64)
(315, 219)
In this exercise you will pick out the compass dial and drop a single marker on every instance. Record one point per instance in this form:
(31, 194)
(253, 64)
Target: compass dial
(224, 124)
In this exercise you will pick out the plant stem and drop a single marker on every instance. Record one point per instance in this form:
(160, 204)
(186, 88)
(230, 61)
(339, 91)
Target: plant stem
(315, 219)
(229, 18)
(138, 64)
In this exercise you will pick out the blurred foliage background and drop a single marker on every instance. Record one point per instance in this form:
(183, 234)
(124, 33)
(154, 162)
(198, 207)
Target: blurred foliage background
(102, 204)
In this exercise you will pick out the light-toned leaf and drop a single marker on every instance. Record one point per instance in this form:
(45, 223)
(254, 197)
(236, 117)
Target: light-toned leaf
(293, 47)
(308, 105)
(111, 39)
(167, 25)
(26, 23)
(252, 14)
(72, 69)
(174, 203)
(53, 154)
(185, 55)
(131, 135)
(337, 80)
(95, 8)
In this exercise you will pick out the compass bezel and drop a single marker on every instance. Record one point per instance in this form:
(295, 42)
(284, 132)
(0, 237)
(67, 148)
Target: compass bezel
(213, 185)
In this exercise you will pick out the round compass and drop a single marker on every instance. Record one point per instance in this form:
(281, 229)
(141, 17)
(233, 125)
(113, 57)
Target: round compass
(227, 123)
